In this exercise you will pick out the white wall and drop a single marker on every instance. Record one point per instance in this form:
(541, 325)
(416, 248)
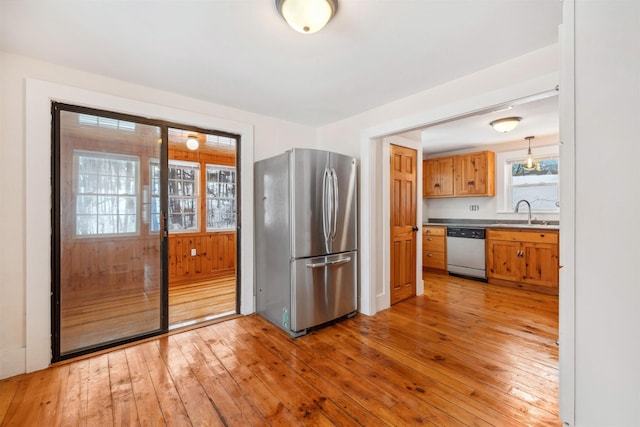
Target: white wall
(24, 165)
(607, 209)
(534, 73)
(451, 99)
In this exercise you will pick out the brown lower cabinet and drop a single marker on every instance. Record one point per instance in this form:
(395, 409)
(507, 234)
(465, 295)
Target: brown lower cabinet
(434, 247)
(523, 258)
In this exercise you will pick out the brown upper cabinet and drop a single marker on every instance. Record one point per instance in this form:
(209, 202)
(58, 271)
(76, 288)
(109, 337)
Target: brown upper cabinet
(438, 177)
(463, 175)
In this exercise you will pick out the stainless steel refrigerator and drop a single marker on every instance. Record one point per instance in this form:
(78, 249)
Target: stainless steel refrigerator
(305, 238)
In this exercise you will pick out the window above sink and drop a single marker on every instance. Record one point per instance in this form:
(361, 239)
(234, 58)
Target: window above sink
(539, 186)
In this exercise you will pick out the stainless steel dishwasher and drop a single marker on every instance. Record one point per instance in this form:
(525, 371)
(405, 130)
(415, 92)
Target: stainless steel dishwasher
(466, 252)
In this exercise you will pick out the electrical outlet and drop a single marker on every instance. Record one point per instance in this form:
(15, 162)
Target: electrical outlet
(193, 252)
(474, 208)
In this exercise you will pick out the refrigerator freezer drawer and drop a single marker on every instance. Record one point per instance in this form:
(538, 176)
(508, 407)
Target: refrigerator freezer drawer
(323, 289)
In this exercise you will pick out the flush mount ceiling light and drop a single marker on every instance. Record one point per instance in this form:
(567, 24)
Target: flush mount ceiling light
(192, 142)
(307, 16)
(505, 125)
(530, 164)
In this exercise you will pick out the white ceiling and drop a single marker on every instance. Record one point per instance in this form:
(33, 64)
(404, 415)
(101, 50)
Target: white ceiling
(539, 114)
(241, 53)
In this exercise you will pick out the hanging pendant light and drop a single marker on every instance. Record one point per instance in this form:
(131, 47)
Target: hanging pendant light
(307, 16)
(530, 164)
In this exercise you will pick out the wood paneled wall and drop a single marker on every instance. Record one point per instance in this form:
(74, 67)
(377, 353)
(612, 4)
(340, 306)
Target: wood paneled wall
(122, 265)
(215, 256)
(222, 158)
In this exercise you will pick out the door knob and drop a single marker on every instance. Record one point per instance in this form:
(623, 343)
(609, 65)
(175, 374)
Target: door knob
(415, 228)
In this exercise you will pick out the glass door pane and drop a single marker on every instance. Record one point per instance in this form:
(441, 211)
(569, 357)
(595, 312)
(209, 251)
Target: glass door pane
(107, 242)
(201, 223)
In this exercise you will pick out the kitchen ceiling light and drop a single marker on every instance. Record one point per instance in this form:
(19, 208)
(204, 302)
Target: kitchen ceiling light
(530, 164)
(192, 142)
(505, 125)
(307, 16)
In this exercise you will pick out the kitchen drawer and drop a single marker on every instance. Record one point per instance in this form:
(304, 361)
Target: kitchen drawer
(433, 243)
(433, 260)
(523, 236)
(434, 230)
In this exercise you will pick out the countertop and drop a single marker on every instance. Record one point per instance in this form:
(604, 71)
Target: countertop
(492, 223)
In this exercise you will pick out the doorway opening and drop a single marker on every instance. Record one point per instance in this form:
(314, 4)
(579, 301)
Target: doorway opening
(374, 165)
(201, 224)
(144, 232)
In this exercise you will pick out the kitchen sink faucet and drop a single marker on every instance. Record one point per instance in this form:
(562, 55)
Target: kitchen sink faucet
(528, 205)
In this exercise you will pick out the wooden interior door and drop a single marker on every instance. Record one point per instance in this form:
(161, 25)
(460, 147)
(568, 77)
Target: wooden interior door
(403, 222)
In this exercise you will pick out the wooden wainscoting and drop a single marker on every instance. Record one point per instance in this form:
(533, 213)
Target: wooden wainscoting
(464, 353)
(91, 265)
(215, 256)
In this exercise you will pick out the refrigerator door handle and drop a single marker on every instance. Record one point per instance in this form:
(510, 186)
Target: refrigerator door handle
(334, 222)
(328, 263)
(326, 230)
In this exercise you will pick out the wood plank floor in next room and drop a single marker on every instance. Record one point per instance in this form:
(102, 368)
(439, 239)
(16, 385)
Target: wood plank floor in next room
(465, 353)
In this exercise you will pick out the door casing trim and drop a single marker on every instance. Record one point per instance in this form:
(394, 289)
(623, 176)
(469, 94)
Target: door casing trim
(38, 97)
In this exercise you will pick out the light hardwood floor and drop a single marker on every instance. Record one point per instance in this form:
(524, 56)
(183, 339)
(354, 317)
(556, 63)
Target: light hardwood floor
(201, 301)
(108, 317)
(465, 353)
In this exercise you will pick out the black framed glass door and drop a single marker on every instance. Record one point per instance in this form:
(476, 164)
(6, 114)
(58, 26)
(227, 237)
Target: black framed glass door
(109, 240)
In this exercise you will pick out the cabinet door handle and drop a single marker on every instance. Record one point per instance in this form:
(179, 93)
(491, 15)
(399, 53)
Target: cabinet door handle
(429, 255)
(429, 238)
(436, 185)
(471, 182)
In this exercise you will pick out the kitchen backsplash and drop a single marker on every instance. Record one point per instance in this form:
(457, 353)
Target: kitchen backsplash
(475, 208)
